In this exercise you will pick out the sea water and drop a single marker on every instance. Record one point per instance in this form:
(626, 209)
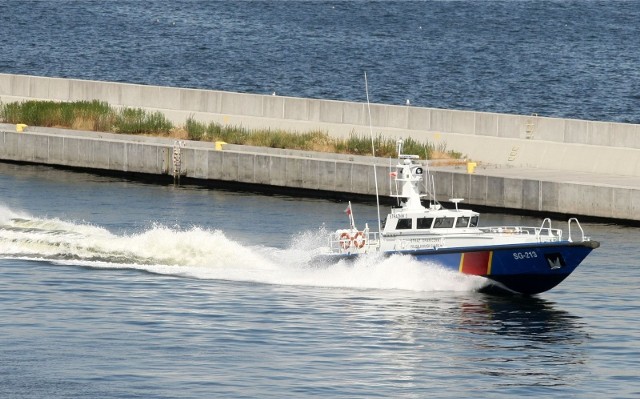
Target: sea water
(116, 289)
(568, 58)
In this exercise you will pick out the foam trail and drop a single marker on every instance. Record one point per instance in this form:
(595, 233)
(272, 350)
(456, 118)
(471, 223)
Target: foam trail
(7, 214)
(209, 254)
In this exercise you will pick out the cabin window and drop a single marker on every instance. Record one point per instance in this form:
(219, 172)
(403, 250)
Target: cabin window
(462, 222)
(474, 221)
(403, 224)
(424, 223)
(443, 223)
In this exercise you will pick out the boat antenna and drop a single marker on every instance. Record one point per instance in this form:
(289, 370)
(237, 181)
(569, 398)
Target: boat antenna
(373, 153)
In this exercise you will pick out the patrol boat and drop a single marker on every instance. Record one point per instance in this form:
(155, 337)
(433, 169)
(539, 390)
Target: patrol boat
(516, 259)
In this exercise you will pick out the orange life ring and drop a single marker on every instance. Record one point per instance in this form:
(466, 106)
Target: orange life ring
(345, 240)
(358, 243)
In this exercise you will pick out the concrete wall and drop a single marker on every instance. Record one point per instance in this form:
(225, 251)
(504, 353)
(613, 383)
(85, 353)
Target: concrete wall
(328, 173)
(564, 145)
(540, 196)
(509, 140)
(121, 153)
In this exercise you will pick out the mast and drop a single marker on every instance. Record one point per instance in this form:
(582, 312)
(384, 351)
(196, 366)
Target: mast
(373, 151)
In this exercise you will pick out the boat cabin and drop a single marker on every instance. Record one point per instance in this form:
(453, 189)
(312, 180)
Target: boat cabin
(430, 221)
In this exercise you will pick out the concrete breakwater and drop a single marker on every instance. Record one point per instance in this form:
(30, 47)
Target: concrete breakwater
(529, 141)
(193, 160)
(323, 175)
(537, 164)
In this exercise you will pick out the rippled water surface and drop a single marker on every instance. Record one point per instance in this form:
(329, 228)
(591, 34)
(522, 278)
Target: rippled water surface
(563, 58)
(118, 289)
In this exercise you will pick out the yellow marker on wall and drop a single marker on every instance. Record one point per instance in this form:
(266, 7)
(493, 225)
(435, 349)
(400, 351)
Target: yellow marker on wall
(471, 167)
(20, 127)
(219, 145)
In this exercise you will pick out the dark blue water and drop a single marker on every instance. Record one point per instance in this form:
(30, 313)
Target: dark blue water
(577, 59)
(117, 289)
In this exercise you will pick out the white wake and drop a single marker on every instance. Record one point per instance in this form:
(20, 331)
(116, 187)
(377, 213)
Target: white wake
(209, 254)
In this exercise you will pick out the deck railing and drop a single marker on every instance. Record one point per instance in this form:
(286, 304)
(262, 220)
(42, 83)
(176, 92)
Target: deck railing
(353, 243)
(582, 236)
(545, 230)
(366, 240)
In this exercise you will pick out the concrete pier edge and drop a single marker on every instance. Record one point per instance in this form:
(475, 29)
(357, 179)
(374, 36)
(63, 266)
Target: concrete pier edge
(528, 164)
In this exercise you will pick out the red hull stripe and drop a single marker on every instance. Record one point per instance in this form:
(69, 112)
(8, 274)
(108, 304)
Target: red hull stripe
(477, 263)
